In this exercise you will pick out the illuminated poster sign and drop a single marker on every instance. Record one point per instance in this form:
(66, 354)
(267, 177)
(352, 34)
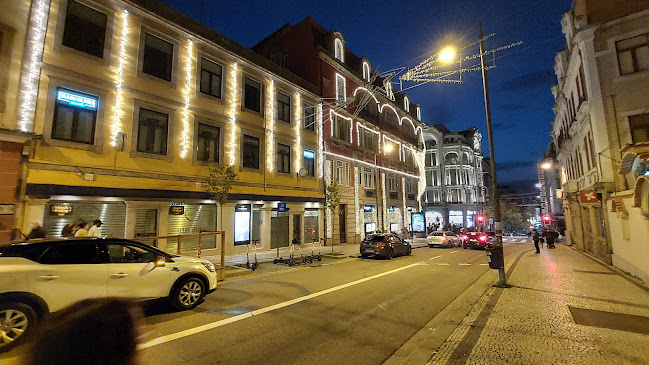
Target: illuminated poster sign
(242, 224)
(76, 99)
(309, 154)
(418, 223)
(61, 210)
(370, 227)
(177, 210)
(368, 208)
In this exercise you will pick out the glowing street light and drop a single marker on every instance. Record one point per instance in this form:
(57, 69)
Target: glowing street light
(546, 165)
(447, 54)
(388, 147)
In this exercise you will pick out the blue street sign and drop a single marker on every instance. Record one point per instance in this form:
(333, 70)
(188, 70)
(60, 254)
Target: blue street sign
(281, 207)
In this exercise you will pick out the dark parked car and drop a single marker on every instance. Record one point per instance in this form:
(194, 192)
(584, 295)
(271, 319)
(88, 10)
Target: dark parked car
(476, 240)
(386, 244)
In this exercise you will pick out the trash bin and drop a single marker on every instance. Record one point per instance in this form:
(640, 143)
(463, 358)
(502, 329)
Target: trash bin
(495, 257)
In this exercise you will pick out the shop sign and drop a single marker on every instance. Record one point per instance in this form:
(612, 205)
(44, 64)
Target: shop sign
(368, 208)
(418, 223)
(281, 207)
(242, 223)
(589, 196)
(61, 209)
(76, 99)
(177, 210)
(310, 155)
(6, 209)
(310, 213)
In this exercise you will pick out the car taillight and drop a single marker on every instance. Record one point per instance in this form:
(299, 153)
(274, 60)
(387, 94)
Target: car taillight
(380, 244)
(482, 238)
(465, 237)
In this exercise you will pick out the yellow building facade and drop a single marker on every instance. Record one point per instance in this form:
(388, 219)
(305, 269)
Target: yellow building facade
(133, 102)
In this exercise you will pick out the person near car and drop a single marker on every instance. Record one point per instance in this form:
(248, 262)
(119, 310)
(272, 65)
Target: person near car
(550, 237)
(94, 230)
(536, 237)
(83, 230)
(91, 331)
(68, 230)
(37, 231)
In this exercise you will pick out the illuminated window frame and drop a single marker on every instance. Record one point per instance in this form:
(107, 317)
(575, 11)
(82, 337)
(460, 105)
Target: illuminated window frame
(366, 71)
(406, 104)
(418, 113)
(344, 90)
(339, 50)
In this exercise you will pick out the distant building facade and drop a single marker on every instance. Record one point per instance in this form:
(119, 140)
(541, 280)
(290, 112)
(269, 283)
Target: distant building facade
(455, 189)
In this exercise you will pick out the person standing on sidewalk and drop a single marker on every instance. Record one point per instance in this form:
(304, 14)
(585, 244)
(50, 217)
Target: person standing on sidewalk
(536, 237)
(94, 230)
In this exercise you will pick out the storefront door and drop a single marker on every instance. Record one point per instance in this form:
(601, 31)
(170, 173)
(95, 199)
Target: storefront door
(342, 222)
(146, 223)
(297, 226)
(279, 231)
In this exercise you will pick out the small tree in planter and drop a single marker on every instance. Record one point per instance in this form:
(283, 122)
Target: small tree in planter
(332, 201)
(219, 185)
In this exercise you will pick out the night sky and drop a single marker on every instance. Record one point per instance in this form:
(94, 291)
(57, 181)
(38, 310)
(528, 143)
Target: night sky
(394, 34)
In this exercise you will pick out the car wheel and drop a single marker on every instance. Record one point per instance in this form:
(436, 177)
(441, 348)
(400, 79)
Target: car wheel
(17, 321)
(464, 246)
(188, 293)
(409, 251)
(390, 254)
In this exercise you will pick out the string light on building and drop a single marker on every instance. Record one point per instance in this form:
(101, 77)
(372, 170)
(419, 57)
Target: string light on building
(186, 129)
(298, 131)
(270, 118)
(403, 198)
(394, 142)
(120, 77)
(358, 135)
(233, 113)
(421, 184)
(357, 204)
(320, 138)
(393, 109)
(31, 71)
(328, 215)
(384, 208)
(331, 121)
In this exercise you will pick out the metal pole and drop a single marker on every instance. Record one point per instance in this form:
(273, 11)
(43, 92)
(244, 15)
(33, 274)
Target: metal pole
(494, 181)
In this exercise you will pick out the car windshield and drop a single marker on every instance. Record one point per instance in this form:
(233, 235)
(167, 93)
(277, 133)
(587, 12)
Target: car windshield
(437, 234)
(375, 238)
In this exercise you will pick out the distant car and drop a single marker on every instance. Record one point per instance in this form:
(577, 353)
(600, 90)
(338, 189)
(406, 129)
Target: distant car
(42, 276)
(444, 238)
(476, 240)
(492, 236)
(386, 245)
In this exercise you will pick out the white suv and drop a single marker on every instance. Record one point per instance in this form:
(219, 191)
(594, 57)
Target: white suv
(44, 276)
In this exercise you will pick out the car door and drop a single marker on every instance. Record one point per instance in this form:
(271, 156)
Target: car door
(452, 239)
(397, 244)
(132, 272)
(68, 272)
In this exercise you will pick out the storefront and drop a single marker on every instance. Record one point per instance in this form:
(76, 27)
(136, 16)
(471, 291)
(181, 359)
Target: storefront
(58, 213)
(186, 219)
(456, 217)
(394, 219)
(369, 219)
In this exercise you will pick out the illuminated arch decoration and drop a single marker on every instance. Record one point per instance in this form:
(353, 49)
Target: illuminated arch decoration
(367, 91)
(388, 90)
(414, 128)
(419, 113)
(381, 107)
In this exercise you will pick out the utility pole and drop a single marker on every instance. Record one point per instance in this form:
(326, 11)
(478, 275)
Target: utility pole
(494, 182)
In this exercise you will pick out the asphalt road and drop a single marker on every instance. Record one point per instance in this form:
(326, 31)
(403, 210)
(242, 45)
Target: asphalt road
(353, 311)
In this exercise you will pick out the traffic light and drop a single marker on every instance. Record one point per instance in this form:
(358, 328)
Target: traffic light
(480, 219)
(546, 219)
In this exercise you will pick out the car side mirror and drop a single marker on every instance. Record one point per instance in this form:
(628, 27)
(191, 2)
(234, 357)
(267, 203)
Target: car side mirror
(160, 261)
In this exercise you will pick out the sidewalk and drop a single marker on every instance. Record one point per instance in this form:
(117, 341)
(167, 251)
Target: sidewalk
(270, 255)
(562, 308)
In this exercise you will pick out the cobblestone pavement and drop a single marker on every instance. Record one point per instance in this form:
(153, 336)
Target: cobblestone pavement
(531, 323)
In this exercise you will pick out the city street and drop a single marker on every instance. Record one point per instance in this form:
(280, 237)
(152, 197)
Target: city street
(352, 311)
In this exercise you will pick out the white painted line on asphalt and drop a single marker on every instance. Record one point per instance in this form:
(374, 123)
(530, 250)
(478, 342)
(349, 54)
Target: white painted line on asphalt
(484, 264)
(464, 264)
(455, 251)
(443, 264)
(436, 257)
(206, 327)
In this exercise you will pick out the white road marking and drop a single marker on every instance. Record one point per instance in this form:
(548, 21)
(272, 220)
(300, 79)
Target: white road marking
(436, 257)
(464, 264)
(484, 264)
(206, 327)
(455, 251)
(444, 264)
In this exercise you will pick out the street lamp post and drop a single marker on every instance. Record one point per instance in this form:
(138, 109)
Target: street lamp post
(494, 180)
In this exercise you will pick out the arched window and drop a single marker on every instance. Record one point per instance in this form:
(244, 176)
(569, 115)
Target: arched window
(406, 104)
(451, 158)
(430, 144)
(465, 159)
(388, 90)
(339, 50)
(418, 113)
(366, 71)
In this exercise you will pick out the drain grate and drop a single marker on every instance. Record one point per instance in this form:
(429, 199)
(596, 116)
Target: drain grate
(595, 272)
(611, 320)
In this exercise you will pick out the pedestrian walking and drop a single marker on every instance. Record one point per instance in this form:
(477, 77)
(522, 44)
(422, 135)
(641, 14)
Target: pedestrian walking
(37, 231)
(92, 331)
(94, 230)
(68, 230)
(536, 238)
(83, 230)
(550, 236)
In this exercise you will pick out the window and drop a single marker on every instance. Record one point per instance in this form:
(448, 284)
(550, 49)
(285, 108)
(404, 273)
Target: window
(339, 50)
(283, 107)
(392, 183)
(341, 91)
(211, 74)
(406, 104)
(308, 161)
(251, 152)
(209, 142)
(368, 177)
(341, 128)
(252, 95)
(431, 159)
(75, 116)
(85, 29)
(366, 71)
(633, 54)
(158, 57)
(410, 186)
(152, 132)
(367, 138)
(309, 117)
(71, 253)
(639, 125)
(409, 157)
(418, 113)
(451, 159)
(388, 90)
(129, 254)
(283, 158)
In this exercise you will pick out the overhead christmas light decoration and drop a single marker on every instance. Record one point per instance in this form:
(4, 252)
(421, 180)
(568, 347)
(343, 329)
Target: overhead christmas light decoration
(371, 164)
(31, 71)
(270, 117)
(233, 113)
(120, 77)
(186, 129)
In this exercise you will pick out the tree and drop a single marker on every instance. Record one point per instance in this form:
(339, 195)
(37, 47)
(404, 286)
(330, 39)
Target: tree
(332, 201)
(511, 215)
(219, 185)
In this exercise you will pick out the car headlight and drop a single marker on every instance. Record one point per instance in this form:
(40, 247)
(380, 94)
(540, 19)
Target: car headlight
(209, 266)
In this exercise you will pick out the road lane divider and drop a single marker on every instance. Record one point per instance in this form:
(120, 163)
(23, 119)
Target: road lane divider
(455, 251)
(443, 264)
(206, 327)
(464, 264)
(436, 257)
